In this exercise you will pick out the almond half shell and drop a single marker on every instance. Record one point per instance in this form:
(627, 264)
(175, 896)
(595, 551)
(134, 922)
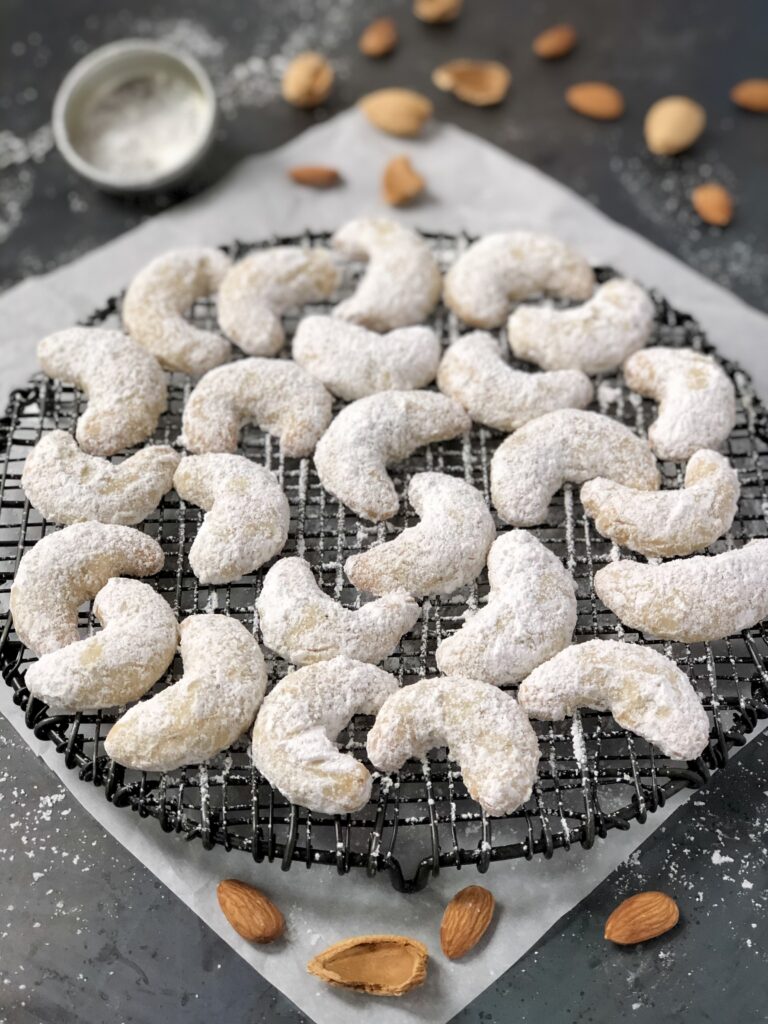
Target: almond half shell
(466, 920)
(641, 917)
(381, 965)
(483, 83)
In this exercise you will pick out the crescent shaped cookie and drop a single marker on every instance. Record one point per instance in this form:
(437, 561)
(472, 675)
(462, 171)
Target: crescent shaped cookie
(294, 738)
(530, 615)
(697, 403)
(66, 485)
(67, 568)
(644, 691)
(276, 394)
(502, 269)
(595, 337)
(124, 384)
(401, 284)
(485, 730)
(664, 524)
(445, 551)
(304, 625)
(706, 597)
(213, 703)
(473, 373)
(117, 665)
(257, 290)
(247, 515)
(353, 362)
(568, 445)
(372, 433)
(160, 296)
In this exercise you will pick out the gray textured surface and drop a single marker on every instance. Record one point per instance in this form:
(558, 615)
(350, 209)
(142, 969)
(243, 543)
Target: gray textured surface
(87, 934)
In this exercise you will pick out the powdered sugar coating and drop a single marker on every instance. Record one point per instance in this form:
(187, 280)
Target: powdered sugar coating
(304, 625)
(67, 568)
(294, 736)
(213, 703)
(504, 268)
(697, 402)
(258, 289)
(595, 337)
(485, 730)
(644, 691)
(473, 373)
(353, 362)
(706, 597)
(570, 445)
(530, 615)
(401, 284)
(247, 515)
(125, 385)
(372, 433)
(160, 296)
(116, 665)
(274, 393)
(445, 551)
(66, 485)
(668, 523)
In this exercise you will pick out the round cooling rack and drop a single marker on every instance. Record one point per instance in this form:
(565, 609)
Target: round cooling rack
(593, 775)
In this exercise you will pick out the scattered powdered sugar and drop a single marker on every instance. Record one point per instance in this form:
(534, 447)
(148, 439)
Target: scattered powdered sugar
(33, 148)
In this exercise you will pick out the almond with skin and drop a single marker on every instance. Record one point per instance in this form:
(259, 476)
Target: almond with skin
(381, 965)
(307, 81)
(598, 100)
(252, 914)
(641, 917)
(555, 42)
(315, 175)
(483, 83)
(379, 39)
(751, 94)
(466, 920)
(713, 203)
(401, 183)
(437, 12)
(397, 111)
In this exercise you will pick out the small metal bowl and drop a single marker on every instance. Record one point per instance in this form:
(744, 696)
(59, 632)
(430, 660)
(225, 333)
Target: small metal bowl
(111, 68)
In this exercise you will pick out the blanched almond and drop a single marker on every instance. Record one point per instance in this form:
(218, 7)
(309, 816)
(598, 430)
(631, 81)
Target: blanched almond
(437, 11)
(641, 917)
(598, 100)
(397, 111)
(379, 39)
(382, 965)
(482, 83)
(751, 94)
(555, 42)
(466, 920)
(401, 183)
(713, 204)
(307, 80)
(252, 914)
(315, 175)
(673, 124)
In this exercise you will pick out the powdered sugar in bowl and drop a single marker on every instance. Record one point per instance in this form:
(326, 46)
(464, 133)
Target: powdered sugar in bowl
(134, 116)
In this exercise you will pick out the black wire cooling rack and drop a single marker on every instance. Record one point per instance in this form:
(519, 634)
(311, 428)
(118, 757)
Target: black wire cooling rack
(593, 776)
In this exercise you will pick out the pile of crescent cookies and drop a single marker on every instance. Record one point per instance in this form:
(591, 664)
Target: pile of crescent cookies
(375, 353)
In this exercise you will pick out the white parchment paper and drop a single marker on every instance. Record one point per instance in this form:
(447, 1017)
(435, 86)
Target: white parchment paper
(475, 187)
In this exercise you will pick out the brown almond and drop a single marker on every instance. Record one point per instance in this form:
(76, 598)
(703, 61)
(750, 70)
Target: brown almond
(379, 39)
(641, 917)
(401, 183)
(483, 83)
(437, 12)
(555, 42)
(315, 175)
(397, 111)
(673, 124)
(713, 203)
(466, 920)
(307, 81)
(381, 965)
(252, 914)
(598, 100)
(751, 94)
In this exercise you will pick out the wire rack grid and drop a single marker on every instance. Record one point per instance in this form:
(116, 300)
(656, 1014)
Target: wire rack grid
(593, 776)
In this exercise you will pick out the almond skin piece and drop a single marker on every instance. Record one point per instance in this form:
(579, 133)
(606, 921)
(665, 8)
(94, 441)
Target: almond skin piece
(307, 81)
(554, 43)
(397, 111)
(379, 39)
(483, 83)
(673, 124)
(751, 94)
(249, 911)
(315, 175)
(466, 920)
(381, 965)
(437, 12)
(641, 917)
(598, 100)
(713, 204)
(401, 183)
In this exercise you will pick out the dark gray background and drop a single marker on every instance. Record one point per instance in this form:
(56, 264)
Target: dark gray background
(87, 934)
